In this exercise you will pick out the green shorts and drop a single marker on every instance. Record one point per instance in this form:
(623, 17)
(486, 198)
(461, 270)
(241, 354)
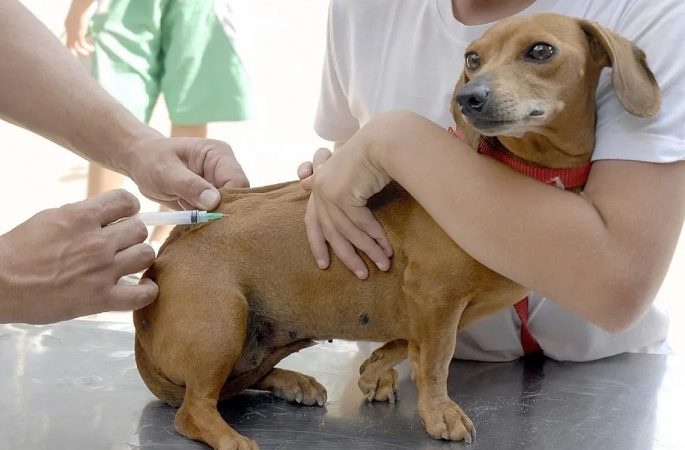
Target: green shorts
(178, 48)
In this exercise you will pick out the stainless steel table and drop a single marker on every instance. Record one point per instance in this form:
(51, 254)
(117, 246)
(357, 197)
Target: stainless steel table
(75, 386)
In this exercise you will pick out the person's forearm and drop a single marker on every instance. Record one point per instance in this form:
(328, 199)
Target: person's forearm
(44, 89)
(81, 5)
(552, 241)
(8, 301)
(78, 8)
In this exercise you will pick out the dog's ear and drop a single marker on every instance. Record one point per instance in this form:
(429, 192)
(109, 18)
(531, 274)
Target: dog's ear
(469, 134)
(634, 82)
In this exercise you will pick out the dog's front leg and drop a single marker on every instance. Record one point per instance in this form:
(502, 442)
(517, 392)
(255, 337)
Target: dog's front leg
(430, 353)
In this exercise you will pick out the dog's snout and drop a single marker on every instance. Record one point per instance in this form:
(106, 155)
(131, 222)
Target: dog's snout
(472, 97)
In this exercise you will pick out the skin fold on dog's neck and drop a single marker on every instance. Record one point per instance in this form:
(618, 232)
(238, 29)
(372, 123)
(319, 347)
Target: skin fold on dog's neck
(479, 12)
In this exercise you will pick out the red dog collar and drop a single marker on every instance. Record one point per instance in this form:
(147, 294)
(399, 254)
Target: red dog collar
(563, 178)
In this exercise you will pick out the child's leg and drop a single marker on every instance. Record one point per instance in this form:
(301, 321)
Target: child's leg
(199, 131)
(160, 232)
(101, 180)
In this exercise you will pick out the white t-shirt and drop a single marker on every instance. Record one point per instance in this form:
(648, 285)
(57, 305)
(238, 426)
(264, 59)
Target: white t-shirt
(387, 55)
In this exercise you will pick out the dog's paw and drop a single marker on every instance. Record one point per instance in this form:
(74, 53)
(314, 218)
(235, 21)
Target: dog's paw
(380, 387)
(448, 421)
(237, 442)
(298, 388)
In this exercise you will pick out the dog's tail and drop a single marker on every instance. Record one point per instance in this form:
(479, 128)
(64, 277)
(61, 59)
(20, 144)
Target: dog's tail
(172, 394)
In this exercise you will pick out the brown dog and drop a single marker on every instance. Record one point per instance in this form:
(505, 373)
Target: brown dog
(238, 295)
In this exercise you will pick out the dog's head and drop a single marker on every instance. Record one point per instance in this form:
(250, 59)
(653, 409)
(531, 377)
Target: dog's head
(538, 75)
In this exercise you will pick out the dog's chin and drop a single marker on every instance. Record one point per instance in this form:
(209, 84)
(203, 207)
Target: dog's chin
(513, 127)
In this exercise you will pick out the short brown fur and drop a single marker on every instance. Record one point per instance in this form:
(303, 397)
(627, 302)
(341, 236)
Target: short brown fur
(238, 295)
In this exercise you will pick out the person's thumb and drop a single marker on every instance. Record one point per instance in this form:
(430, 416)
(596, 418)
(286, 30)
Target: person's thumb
(308, 183)
(125, 297)
(194, 189)
(305, 170)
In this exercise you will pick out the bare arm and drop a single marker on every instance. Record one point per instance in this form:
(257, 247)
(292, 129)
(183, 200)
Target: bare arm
(76, 26)
(604, 258)
(82, 249)
(43, 88)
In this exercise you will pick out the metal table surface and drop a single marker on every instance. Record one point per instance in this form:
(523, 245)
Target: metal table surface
(75, 386)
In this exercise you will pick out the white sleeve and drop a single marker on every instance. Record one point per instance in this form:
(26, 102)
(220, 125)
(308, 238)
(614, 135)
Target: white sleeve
(334, 120)
(658, 30)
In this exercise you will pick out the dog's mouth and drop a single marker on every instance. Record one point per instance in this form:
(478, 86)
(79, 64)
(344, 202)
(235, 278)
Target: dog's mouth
(483, 124)
(490, 126)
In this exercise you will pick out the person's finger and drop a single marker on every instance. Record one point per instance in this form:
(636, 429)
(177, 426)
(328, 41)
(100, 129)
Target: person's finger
(77, 44)
(74, 48)
(133, 259)
(237, 182)
(125, 233)
(321, 156)
(79, 49)
(365, 221)
(346, 227)
(184, 205)
(305, 170)
(218, 164)
(343, 248)
(229, 173)
(192, 188)
(124, 297)
(315, 236)
(113, 205)
(87, 46)
(308, 183)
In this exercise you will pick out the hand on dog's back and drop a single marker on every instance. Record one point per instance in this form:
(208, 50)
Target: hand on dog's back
(344, 230)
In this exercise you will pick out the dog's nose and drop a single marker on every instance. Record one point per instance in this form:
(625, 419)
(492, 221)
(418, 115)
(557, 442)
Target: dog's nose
(472, 97)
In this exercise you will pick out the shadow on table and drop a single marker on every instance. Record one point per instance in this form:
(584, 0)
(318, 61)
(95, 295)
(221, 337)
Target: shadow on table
(607, 404)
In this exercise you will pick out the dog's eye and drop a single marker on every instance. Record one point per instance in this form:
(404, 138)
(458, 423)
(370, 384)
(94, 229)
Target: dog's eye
(472, 61)
(540, 52)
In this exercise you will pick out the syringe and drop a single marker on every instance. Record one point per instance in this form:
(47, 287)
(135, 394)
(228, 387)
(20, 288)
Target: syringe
(177, 217)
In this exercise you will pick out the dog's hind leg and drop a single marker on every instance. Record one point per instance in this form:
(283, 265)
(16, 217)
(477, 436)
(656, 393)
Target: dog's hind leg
(293, 387)
(213, 357)
(377, 377)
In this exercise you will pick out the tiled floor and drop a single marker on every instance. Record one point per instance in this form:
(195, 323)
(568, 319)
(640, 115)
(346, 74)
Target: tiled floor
(285, 61)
